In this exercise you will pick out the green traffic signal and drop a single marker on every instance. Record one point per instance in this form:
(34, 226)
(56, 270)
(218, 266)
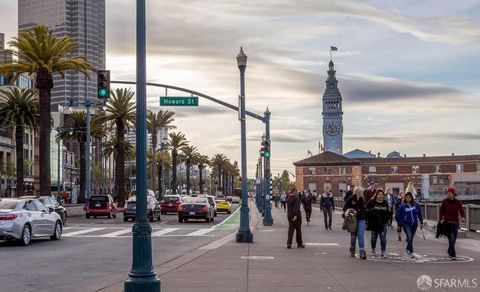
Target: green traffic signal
(102, 92)
(266, 154)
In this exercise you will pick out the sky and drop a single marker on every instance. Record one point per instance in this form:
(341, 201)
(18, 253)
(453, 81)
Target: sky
(407, 71)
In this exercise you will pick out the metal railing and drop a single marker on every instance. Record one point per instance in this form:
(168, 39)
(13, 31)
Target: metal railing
(430, 211)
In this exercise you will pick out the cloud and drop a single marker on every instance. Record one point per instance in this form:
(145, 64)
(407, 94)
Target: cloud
(409, 137)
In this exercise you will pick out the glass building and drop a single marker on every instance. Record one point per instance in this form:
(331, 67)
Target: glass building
(83, 20)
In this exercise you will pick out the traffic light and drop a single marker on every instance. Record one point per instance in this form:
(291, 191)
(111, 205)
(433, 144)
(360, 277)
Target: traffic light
(103, 84)
(265, 149)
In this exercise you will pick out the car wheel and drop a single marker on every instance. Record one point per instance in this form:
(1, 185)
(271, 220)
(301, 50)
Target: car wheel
(88, 216)
(213, 218)
(151, 218)
(159, 217)
(180, 220)
(115, 215)
(109, 215)
(229, 212)
(207, 219)
(125, 219)
(26, 235)
(57, 233)
(215, 214)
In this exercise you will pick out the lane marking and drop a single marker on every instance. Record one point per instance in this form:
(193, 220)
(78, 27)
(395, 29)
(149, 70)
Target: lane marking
(116, 233)
(83, 231)
(163, 231)
(200, 232)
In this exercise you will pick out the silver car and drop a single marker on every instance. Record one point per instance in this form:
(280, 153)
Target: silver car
(25, 219)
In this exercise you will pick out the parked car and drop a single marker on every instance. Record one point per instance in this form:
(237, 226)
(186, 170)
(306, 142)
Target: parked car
(51, 202)
(170, 203)
(223, 206)
(101, 205)
(196, 208)
(211, 200)
(25, 219)
(153, 209)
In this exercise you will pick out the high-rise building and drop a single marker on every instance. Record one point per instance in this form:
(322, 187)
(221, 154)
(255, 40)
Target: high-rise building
(332, 114)
(4, 57)
(83, 20)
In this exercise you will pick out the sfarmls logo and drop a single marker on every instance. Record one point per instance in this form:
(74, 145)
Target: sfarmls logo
(425, 283)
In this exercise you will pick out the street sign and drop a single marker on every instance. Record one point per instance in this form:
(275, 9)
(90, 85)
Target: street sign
(178, 100)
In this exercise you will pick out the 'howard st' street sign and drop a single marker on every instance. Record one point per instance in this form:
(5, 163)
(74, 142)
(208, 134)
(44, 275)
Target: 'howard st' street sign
(179, 101)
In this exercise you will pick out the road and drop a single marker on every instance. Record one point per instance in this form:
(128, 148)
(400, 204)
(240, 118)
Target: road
(94, 253)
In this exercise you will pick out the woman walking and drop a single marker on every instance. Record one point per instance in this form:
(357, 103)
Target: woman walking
(377, 218)
(450, 211)
(398, 203)
(408, 216)
(283, 201)
(390, 201)
(355, 206)
(307, 206)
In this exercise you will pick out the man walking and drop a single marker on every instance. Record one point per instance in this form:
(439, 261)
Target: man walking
(307, 206)
(294, 217)
(328, 207)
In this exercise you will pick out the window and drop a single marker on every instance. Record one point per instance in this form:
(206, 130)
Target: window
(434, 180)
(30, 206)
(437, 169)
(415, 168)
(342, 170)
(40, 207)
(394, 169)
(478, 166)
(372, 170)
(311, 170)
(328, 170)
(459, 168)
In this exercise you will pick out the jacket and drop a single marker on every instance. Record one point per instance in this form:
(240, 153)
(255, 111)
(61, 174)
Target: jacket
(377, 215)
(307, 201)
(450, 209)
(409, 214)
(326, 202)
(350, 221)
(359, 206)
(293, 207)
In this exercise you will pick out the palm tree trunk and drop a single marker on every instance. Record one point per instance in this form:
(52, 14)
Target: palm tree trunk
(19, 133)
(174, 171)
(188, 175)
(200, 176)
(233, 184)
(44, 83)
(219, 177)
(83, 176)
(120, 164)
(160, 178)
(154, 160)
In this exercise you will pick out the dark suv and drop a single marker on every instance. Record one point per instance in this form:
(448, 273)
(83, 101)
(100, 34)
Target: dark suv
(153, 209)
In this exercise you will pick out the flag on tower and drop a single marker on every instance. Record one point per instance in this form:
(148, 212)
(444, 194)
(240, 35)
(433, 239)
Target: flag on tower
(333, 48)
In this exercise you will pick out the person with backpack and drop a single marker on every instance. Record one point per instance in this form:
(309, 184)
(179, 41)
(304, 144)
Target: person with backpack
(355, 206)
(307, 206)
(408, 216)
(377, 220)
(327, 205)
(450, 211)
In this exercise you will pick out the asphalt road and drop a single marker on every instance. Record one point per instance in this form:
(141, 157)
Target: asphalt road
(94, 253)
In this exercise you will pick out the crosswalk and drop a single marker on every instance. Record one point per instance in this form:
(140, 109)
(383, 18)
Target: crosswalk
(123, 232)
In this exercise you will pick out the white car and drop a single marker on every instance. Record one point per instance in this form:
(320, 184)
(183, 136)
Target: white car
(25, 219)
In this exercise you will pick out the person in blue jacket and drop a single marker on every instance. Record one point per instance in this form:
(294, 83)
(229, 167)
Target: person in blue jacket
(408, 216)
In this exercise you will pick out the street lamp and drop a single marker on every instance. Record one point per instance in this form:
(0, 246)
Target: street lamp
(59, 198)
(243, 234)
(142, 277)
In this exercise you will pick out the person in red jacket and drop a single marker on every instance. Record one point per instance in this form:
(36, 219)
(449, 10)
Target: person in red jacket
(450, 210)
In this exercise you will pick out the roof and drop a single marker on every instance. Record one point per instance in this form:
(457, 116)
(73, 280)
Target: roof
(357, 153)
(426, 159)
(326, 158)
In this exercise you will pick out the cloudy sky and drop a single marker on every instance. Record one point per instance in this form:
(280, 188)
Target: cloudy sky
(407, 70)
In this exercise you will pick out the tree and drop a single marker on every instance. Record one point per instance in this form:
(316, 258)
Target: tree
(202, 161)
(189, 152)
(156, 122)
(20, 109)
(120, 114)
(175, 142)
(39, 52)
(7, 171)
(164, 162)
(218, 163)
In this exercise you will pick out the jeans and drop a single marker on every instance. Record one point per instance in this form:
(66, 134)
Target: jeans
(308, 213)
(410, 230)
(327, 213)
(360, 234)
(452, 238)
(383, 238)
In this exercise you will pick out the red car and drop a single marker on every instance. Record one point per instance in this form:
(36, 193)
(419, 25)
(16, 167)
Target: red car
(170, 204)
(101, 206)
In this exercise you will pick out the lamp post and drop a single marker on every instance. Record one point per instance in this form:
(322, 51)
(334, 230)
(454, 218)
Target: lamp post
(142, 276)
(267, 220)
(59, 198)
(243, 234)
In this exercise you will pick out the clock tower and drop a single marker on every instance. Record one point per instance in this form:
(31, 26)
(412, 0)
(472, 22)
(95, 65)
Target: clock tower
(332, 114)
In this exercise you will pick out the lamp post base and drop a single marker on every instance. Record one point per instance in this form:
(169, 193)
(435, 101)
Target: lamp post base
(144, 284)
(244, 236)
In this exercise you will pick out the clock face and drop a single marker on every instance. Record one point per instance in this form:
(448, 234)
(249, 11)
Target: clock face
(332, 129)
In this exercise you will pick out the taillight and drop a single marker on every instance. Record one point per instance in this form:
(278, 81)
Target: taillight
(8, 217)
(205, 208)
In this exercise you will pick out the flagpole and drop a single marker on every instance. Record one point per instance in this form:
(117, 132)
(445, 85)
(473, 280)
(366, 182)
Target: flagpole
(330, 53)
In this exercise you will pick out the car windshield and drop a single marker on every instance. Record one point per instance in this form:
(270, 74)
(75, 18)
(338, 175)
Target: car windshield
(171, 199)
(194, 200)
(8, 205)
(99, 198)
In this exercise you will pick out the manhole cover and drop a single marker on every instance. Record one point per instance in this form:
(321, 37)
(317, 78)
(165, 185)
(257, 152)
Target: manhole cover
(257, 258)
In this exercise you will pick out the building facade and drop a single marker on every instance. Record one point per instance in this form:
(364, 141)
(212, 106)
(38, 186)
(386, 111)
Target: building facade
(430, 175)
(83, 20)
(332, 114)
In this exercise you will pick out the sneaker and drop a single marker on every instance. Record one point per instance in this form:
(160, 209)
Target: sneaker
(411, 254)
(363, 255)
(373, 253)
(453, 258)
(384, 256)
(301, 245)
(352, 252)
(289, 246)
(308, 222)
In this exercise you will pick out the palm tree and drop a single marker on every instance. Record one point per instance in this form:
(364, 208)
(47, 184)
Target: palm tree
(165, 162)
(155, 123)
(120, 114)
(189, 152)
(202, 161)
(218, 162)
(19, 108)
(176, 141)
(39, 52)
(234, 174)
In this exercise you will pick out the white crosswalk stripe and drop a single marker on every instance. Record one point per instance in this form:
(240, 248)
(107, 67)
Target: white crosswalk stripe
(163, 231)
(104, 232)
(117, 233)
(75, 233)
(200, 232)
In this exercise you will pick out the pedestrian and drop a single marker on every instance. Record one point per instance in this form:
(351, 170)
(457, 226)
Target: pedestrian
(349, 193)
(369, 192)
(355, 206)
(398, 203)
(276, 198)
(390, 203)
(327, 205)
(283, 201)
(294, 217)
(315, 196)
(307, 206)
(450, 211)
(377, 220)
(408, 215)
